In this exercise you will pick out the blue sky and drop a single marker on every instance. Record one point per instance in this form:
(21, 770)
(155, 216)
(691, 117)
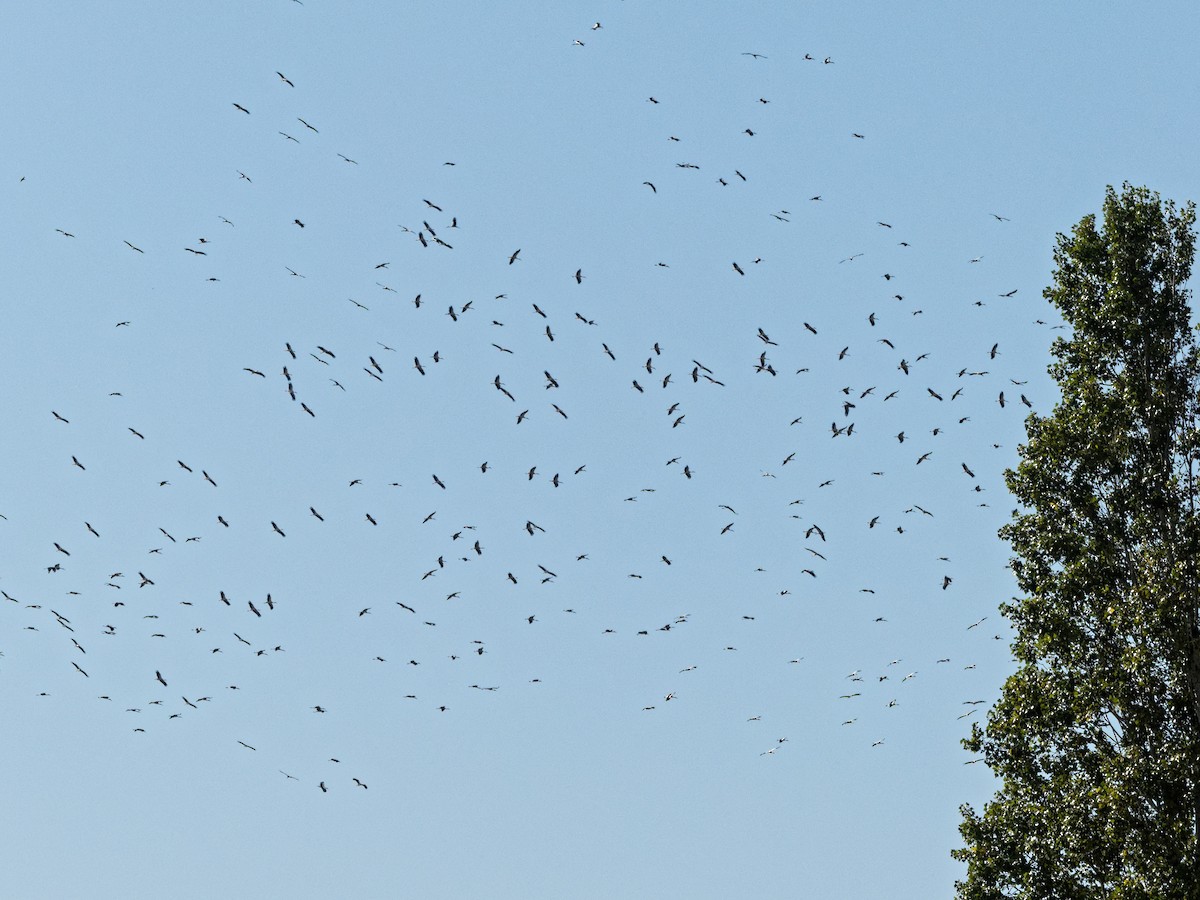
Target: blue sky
(767, 713)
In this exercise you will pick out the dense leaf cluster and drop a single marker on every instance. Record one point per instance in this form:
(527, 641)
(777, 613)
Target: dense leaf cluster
(1096, 736)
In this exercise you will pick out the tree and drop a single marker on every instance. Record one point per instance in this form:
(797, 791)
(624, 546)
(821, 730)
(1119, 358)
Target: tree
(1096, 736)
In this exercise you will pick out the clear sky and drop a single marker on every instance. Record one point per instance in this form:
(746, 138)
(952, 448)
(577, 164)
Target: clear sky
(704, 625)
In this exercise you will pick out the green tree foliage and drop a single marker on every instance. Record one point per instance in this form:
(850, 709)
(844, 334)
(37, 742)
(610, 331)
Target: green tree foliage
(1096, 737)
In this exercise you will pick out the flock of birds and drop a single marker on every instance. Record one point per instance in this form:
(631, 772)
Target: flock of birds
(81, 616)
